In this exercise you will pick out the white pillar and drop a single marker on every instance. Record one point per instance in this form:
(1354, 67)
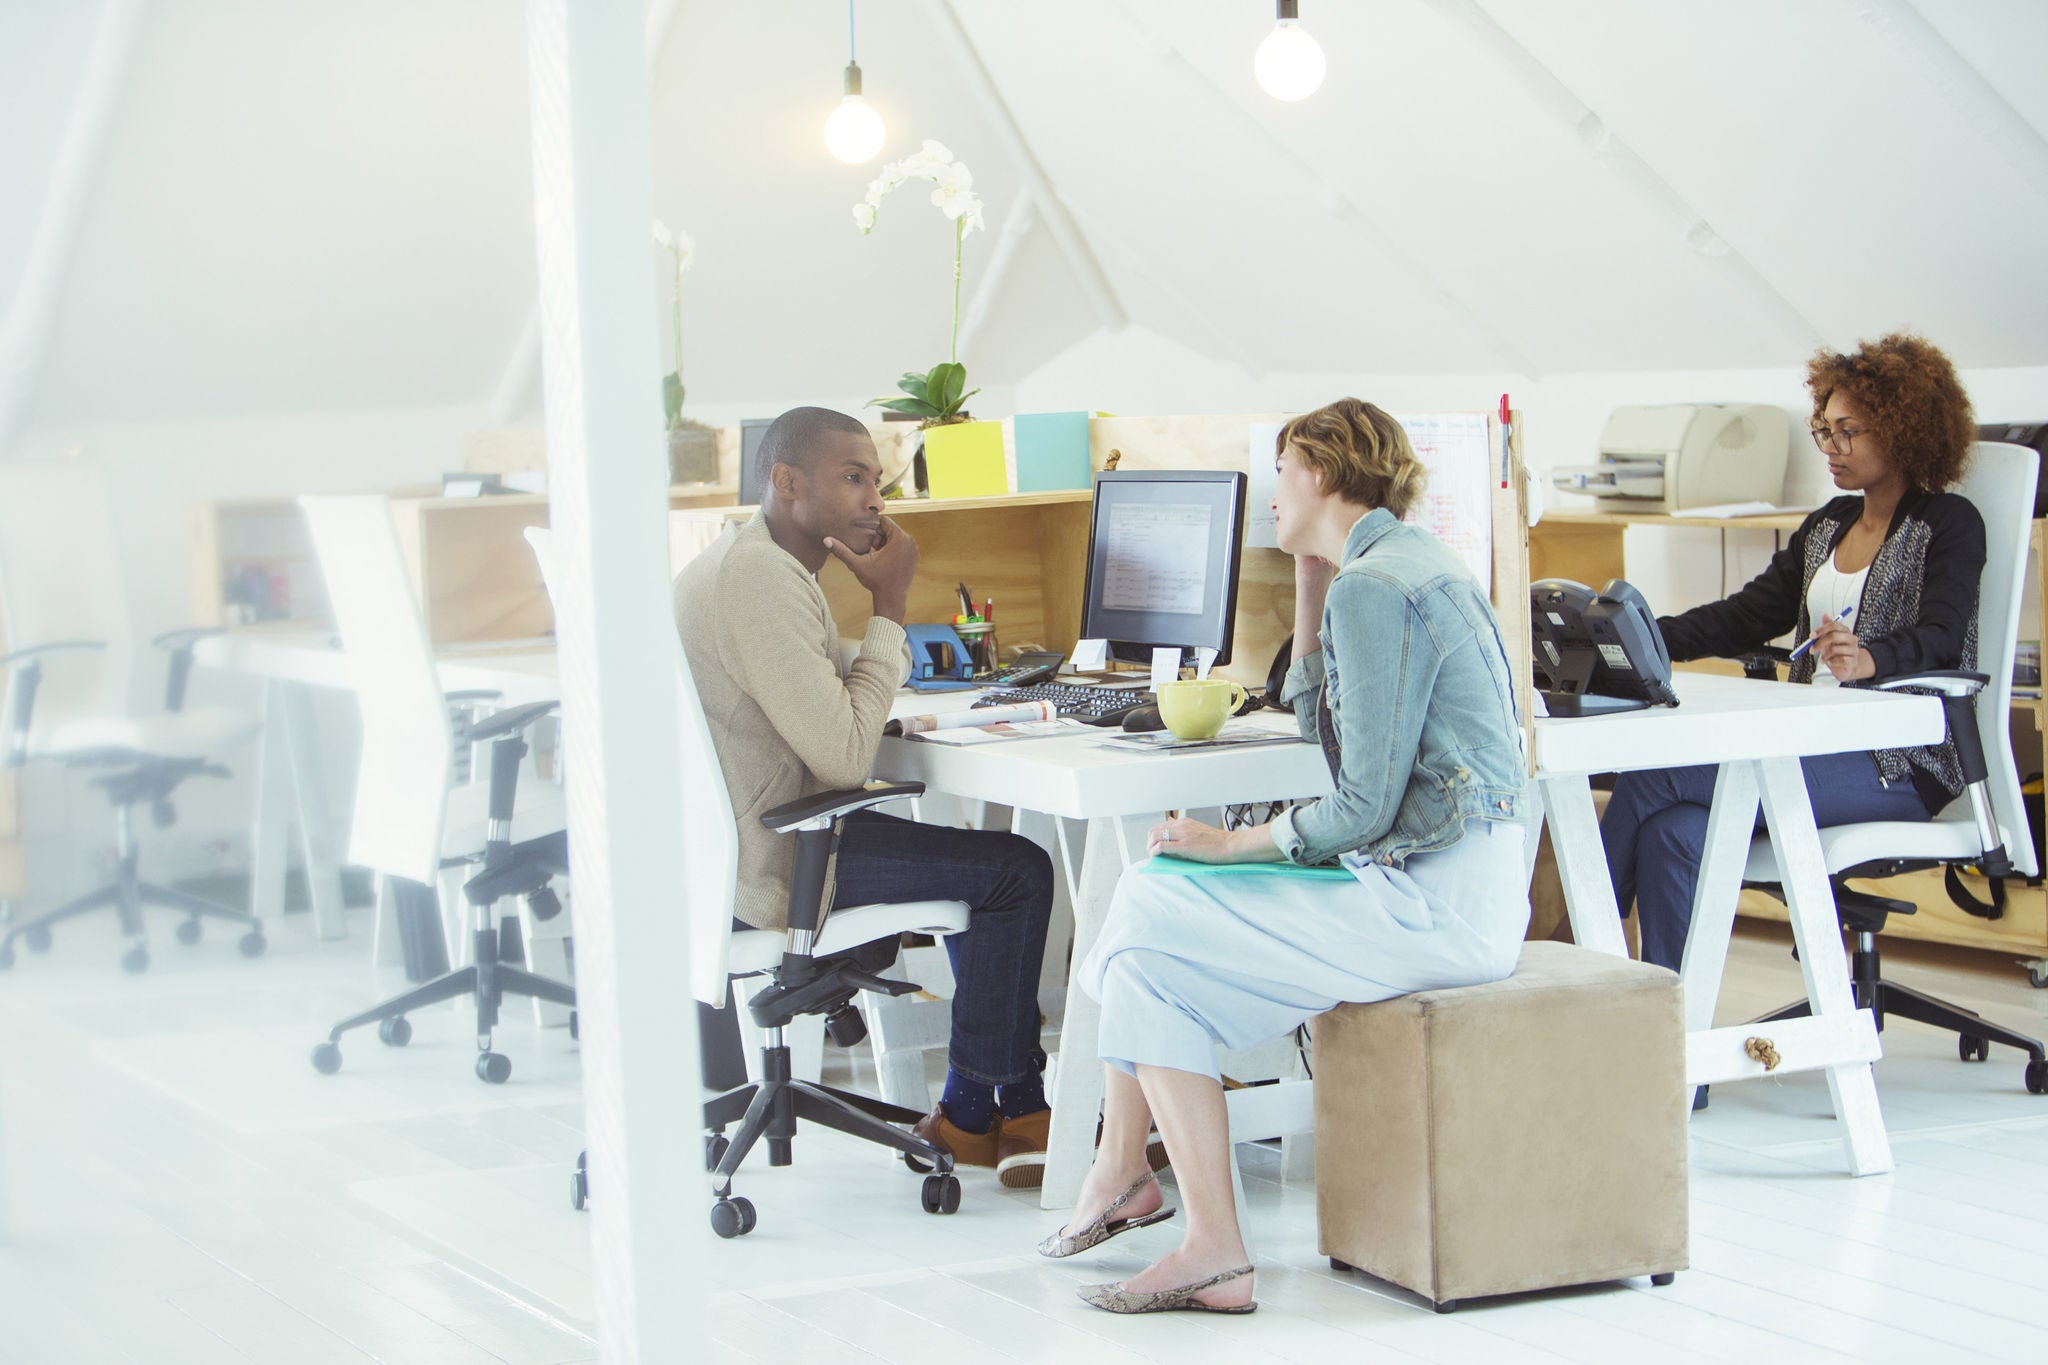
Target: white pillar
(607, 472)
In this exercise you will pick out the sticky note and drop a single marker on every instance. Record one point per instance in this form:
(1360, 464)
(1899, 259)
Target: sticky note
(1052, 451)
(1091, 656)
(1205, 659)
(1165, 665)
(965, 460)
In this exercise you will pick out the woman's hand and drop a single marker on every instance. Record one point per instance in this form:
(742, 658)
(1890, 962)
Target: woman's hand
(1841, 653)
(1181, 837)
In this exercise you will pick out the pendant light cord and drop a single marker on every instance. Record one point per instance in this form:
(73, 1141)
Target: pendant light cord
(852, 53)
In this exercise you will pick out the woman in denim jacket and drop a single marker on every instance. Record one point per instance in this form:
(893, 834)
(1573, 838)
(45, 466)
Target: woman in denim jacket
(1419, 882)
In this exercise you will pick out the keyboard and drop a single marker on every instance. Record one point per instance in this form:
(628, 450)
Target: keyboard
(1101, 704)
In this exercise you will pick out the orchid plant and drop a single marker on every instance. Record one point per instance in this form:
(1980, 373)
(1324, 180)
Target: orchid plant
(682, 249)
(937, 395)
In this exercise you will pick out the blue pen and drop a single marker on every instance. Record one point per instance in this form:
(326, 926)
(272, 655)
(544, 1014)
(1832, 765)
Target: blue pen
(1807, 643)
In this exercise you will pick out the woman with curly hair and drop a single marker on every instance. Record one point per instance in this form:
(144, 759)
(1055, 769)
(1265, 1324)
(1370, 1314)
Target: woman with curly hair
(1882, 580)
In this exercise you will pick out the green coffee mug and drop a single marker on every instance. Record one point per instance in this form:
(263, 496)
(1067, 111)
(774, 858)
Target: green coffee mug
(1196, 709)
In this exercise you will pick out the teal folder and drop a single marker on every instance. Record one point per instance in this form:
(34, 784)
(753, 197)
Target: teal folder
(1052, 451)
(1181, 867)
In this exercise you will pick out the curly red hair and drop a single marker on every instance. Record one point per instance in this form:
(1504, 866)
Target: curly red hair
(1909, 391)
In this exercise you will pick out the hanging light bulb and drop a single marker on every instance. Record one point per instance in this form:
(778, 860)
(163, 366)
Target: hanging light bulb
(854, 131)
(1289, 63)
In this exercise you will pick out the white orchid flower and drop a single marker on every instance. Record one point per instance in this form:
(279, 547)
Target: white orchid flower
(686, 251)
(662, 236)
(864, 218)
(934, 151)
(973, 216)
(953, 175)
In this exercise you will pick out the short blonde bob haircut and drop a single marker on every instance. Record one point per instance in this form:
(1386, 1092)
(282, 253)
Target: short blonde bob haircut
(1359, 454)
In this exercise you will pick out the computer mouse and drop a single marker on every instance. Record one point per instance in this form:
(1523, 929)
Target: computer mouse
(1142, 720)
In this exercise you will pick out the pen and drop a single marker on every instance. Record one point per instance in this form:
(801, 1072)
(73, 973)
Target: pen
(1807, 643)
(988, 611)
(966, 600)
(1506, 431)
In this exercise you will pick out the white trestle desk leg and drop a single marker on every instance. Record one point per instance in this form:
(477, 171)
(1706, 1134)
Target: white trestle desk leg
(1044, 830)
(1731, 823)
(1844, 1039)
(1582, 865)
(271, 825)
(316, 831)
(1077, 1080)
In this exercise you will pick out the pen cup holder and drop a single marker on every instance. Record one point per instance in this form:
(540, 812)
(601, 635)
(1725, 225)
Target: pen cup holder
(980, 638)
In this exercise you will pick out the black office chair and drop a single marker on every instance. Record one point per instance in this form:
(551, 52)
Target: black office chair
(509, 869)
(1973, 831)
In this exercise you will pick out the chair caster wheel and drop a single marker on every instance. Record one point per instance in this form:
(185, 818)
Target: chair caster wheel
(732, 1218)
(1972, 1048)
(252, 943)
(327, 1058)
(941, 1194)
(2037, 977)
(918, 1163)
(136, 959)
(493, 1067)
(395, 1032)
(715, 1147)
(2037, 1077)
(188, 932)
(579, 1183)
(37, 937)
(1666, 1278)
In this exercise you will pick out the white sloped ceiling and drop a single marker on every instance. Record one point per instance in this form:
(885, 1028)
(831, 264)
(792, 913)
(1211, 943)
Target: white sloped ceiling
(306, 206)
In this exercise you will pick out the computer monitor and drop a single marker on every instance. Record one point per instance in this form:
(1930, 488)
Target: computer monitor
(1163, 552)
(752, 480)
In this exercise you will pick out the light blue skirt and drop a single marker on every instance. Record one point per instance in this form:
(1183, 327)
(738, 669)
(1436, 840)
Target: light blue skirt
(1187, 962)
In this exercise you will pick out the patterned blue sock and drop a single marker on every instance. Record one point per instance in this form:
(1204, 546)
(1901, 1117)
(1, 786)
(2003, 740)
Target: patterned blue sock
(970, 1106)
(1023, 1097)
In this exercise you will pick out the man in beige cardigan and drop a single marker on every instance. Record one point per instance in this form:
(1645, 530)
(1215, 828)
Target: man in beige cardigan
(788, 720)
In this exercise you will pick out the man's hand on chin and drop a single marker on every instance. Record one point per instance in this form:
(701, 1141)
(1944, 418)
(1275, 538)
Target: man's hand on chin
(885, 569)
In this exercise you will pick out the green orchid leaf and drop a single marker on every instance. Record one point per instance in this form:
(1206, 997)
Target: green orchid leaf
(945, 383)
(913, 384)
(916, 407)
(672, 397)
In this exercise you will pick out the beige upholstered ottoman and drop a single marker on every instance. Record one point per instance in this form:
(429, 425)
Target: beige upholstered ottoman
(1520, 1135)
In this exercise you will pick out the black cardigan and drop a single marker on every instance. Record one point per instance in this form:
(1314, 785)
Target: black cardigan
(1948, 536)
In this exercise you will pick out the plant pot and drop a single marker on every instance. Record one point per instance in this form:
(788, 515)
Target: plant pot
(692, 452)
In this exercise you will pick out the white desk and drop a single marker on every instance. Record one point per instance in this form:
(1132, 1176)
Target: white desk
(289, 785)
(1119, 795)
(1757, 732)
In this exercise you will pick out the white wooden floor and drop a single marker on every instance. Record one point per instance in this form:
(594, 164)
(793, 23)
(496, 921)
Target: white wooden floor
(178, 1185)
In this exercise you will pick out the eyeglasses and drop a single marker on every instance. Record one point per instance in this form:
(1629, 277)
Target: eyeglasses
(1838, 438)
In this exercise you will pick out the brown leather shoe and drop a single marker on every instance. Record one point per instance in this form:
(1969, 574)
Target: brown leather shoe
(968, 1149)
(1020, 1150)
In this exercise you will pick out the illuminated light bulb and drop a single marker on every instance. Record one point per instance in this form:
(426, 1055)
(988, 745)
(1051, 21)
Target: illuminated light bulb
(854, 131)
(1289, 64)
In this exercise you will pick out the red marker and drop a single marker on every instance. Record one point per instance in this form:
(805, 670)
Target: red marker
(1506, 428)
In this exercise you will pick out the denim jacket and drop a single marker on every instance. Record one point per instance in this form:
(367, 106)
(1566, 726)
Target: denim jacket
(1413, 686)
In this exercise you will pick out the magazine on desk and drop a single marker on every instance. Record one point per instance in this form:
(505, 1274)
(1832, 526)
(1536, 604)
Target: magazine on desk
(985, 725)
(1165, 741)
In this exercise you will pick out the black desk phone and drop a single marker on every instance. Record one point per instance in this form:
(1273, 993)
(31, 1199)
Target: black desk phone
(1032, 666)
(1597, 652)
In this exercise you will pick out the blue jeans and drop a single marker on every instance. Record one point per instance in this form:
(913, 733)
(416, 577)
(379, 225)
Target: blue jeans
(1655, 832)
(1007, 883)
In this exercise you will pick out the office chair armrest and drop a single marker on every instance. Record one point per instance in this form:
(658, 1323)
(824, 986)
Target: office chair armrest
(507, 722)
(821, 810)
(467, 695)
(180, 642)
(1950, 682)
(1762, 662)
(27, 663)
(30, 652)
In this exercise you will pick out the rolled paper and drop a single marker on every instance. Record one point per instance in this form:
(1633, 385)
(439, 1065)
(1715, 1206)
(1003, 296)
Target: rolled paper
(982, 716)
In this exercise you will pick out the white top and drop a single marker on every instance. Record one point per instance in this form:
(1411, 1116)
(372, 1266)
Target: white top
(1830, 594)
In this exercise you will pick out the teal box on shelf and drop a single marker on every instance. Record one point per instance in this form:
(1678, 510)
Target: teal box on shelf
(1052, 451)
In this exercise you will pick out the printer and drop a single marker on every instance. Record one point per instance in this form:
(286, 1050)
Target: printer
(1678, 456)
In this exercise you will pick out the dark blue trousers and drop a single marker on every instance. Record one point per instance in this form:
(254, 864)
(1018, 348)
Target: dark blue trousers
(1655, 832)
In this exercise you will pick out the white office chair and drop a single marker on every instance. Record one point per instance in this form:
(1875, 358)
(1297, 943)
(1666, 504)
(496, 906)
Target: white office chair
(409, 823)
(65, 608)
(811, 965)
(1986, 827)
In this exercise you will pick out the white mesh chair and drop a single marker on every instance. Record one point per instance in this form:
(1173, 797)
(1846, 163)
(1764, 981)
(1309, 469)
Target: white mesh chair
(66, 611)
(1986, 827)
(409, 821)
(811, 965)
